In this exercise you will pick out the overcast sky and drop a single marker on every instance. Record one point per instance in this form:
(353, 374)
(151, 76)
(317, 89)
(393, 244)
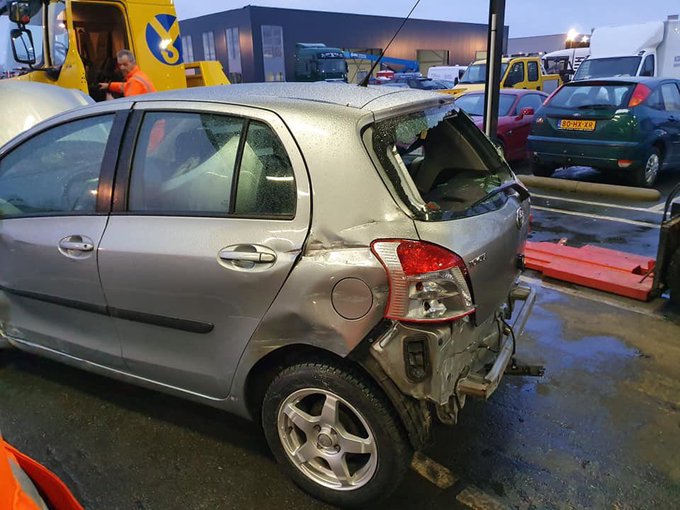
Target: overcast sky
(525, 17)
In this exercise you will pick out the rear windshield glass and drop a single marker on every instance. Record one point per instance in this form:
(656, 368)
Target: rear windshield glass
(603, 67)
(439, 163)
(584, 96)
(473, 104)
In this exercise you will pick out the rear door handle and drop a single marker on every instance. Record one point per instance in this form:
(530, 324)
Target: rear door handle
(77, 246)
(248, 256)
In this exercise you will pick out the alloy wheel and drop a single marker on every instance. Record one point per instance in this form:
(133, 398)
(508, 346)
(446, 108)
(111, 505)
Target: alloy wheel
(327, 439)
(651, 169)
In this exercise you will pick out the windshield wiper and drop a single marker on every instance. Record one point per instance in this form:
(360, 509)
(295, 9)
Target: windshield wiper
(521, 190)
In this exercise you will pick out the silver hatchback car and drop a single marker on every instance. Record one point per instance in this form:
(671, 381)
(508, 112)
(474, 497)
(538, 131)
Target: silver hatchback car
(336, 262)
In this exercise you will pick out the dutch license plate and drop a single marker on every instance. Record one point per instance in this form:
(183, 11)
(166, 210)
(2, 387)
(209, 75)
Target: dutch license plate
(576, 125)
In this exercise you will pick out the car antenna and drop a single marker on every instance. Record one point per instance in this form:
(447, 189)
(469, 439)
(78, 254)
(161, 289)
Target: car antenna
(364, 82)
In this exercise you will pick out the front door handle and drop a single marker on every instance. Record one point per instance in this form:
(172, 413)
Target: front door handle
(244, 257)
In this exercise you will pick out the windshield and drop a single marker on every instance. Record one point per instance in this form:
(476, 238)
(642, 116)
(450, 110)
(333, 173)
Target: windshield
(57, 33)
(476, 73)
(603, 67)
(553, 65)
(439, 163)
(592, 96)
(473, 104)
(332, 65)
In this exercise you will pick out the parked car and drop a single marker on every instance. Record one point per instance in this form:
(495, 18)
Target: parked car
(516, 110)
(623, 125)
(330, 260)
(450, 73)
(24, 104)
(422, 83)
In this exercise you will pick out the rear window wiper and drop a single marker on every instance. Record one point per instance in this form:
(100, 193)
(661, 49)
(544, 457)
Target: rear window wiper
(521, 190)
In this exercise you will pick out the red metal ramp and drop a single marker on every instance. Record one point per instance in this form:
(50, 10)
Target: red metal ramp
(612, 271)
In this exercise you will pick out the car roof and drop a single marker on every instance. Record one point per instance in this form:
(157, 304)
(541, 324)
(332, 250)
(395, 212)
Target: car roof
(280, 96)
(650, 81)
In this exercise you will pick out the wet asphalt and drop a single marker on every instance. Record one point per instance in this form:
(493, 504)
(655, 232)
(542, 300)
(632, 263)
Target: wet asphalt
(601, 429)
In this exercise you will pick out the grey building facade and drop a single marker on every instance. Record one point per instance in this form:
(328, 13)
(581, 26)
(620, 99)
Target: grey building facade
(257, 44)
(536, 44)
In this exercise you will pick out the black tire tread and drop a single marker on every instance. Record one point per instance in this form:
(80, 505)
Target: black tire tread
(324, 372)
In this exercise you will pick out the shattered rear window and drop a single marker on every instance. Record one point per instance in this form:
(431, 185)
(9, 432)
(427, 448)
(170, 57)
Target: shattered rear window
(439, 163)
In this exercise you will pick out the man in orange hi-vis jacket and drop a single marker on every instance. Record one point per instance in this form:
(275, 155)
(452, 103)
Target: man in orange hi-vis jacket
(27, 485)
(136, 82)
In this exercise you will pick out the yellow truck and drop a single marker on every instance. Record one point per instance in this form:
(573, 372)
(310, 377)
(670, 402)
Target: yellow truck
(80, 39)
(525, 72)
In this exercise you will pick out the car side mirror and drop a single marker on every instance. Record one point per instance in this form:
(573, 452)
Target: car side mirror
(22, 46)
(20, 12)
(527, 111)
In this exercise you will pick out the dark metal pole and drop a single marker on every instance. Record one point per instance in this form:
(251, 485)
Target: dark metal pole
(494, 54)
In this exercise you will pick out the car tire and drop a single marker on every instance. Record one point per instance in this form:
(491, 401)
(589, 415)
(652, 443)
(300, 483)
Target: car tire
(673, 278)
(646, 175)
(541, 170)
(315, 417)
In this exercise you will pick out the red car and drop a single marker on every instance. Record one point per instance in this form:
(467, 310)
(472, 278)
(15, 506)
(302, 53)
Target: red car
(516, 108)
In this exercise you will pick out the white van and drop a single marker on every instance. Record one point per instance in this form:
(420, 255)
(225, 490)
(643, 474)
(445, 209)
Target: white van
(451, 73)
(648, 49)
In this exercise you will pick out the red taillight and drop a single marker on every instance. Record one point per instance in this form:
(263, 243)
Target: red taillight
(417, 257)
(428, 283)
(640, 93)
(547, 99)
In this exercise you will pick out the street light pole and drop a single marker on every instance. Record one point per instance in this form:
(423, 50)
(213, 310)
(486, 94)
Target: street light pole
(494, 54)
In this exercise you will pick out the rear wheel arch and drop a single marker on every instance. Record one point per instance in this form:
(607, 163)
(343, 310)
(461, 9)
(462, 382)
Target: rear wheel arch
(414, 415)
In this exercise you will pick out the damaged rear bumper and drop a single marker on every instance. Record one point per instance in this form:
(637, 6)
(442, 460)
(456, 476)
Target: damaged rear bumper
(444, 363)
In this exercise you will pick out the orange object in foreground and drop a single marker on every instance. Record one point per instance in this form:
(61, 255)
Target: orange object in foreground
(591, 266)
(15, 494)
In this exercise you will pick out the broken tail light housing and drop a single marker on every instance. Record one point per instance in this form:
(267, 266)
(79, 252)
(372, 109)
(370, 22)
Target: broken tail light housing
(427, 283)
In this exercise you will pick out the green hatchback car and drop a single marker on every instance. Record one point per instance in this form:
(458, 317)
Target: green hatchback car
(627, 125)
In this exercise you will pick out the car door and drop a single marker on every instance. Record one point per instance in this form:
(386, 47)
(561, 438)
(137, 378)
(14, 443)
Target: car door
(54, 204)
(670, 94)
(533, 76)
(216, 215)
(523, 123)
(516, 76)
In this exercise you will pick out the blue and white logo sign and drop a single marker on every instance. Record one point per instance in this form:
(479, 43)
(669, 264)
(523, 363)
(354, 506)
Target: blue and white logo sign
(162, 37)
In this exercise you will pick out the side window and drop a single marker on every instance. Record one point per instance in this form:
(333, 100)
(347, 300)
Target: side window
(647, 66)
(654, 100)
(515, 75)
(57, 171)
(184, 164)
(534, 101)
(671, 96)
(266, 184)
(532, 70)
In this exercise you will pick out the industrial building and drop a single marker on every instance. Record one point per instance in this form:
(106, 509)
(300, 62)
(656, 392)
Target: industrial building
(257, 44)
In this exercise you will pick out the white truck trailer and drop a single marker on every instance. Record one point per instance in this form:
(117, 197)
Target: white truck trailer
(647, 49)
